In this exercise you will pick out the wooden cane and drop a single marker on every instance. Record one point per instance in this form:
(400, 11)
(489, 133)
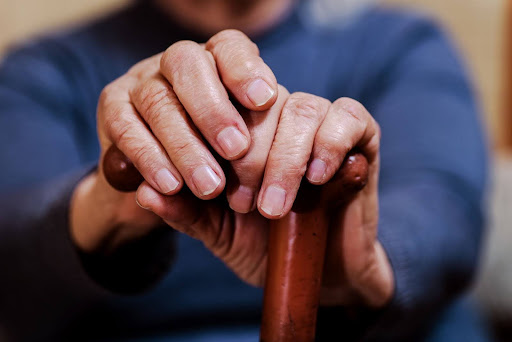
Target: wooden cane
(296, 254)
(296, 248)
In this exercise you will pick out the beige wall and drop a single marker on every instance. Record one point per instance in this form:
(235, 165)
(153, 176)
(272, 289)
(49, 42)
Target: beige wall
(476, 24)
(22, 18)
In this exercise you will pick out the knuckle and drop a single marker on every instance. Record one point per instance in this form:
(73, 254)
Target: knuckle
(120, 130)
(334, 146)
(292, 170)
(212, 115)
(307, 106)
(144, 155)
(137, 71)
(177, 54)
(353, 108)
(292, 164)
(151, 98)
(378, 130)
(247, 66)
(374, 143)
(183, 149)
(112, 124)
(249, 170)
(145, 67)
(227, 38)
(230, 34)
(283, 90)
(107, 96)
(333, 154)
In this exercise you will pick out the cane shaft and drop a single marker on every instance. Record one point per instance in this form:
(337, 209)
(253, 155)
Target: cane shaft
(297, 244)
(296, 257)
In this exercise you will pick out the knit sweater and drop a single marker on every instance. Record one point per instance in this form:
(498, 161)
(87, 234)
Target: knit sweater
(169, 286)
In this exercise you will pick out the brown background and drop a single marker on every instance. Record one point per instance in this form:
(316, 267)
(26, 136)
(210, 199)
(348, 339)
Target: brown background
(476, 25)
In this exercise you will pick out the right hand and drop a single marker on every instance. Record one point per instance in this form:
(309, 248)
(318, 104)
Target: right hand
(157, 114)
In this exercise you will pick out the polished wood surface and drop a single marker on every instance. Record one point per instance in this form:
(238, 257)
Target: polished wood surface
(120, 172)
(296, 245)
(296, 254)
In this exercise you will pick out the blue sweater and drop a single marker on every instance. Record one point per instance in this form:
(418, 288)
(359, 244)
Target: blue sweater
(400, 66)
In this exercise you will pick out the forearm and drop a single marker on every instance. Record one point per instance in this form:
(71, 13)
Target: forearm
(103, 219)
(43, 284)
(431, 233)
(46, 282)
(433, 243)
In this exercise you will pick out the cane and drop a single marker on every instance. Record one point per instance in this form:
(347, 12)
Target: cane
(296, 247)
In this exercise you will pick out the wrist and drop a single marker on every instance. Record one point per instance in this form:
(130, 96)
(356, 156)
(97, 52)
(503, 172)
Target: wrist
(87, 221)
(102, 218)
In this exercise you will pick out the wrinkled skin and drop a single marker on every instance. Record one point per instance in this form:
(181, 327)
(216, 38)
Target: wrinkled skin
(173, 116)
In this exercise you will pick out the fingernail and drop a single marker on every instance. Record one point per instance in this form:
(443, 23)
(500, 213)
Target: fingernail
(259, 92)
(166, 181)
(273, 201)
(145, 196)
(232, 141)
(242, 199)
(316, 171)
(205, 180)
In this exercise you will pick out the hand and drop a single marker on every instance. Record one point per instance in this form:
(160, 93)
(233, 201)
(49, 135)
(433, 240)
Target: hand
(299, 134)
(159, 114)
(312, 138)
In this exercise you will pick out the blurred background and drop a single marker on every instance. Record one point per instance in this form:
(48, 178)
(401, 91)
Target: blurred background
(482, 29)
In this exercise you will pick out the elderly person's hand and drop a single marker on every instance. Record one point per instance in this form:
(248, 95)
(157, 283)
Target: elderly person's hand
(173, 117)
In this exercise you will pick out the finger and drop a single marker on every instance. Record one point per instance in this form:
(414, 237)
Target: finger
(120, 123)
(240, 245)
(346, 126)
(195, 81)
(162, 111)
(353, 233)
(247, 173)
(242, 70)
(355, 260)
(181, 211)
(300, 119)
(184, 212)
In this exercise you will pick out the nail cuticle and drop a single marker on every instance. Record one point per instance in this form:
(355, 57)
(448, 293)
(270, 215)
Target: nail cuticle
(260, 92)
(166, 181)
(273, 201)
(232, 142)
(205, 180)
(242, 200)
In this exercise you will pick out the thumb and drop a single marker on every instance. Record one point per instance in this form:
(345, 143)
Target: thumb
(183, 211)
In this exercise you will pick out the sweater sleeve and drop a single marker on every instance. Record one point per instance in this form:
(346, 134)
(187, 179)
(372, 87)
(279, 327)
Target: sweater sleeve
(432, 179)
(46, 282)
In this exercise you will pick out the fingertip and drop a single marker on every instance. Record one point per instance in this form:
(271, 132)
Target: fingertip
(242, 200)
(261, 94)
(207, 182)
(272, 202)
(233, 143)
(146, 197)
(167, 182)
(317, 171)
